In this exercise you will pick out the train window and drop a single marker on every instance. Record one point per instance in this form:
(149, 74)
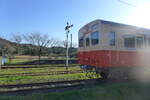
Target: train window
(140, 42)
(95, 26)
(87, 41)
(81, 42)
(129, 42)
(95, 38)
(112, 38)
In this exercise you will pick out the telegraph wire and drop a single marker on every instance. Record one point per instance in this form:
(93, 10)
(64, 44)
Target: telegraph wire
(129, 4)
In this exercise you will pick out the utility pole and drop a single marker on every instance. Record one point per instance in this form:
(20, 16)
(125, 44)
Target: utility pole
(67, 28)
(70, 45)
(71, 40)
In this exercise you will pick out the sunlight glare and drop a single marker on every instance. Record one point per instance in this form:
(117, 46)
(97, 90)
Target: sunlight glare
(141, 17)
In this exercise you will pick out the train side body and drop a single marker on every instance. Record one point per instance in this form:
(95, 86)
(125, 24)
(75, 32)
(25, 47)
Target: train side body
(121, 53)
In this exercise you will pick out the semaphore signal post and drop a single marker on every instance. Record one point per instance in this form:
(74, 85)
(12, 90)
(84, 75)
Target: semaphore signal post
(67, 29)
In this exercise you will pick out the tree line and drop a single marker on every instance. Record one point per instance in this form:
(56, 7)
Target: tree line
(34, 44)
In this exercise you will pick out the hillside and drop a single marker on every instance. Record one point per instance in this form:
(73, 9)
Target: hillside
(4, 41)
(28, 49)
(7, 47)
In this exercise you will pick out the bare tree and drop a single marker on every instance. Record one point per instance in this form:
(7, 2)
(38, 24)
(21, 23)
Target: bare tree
(40, 40)
(64, 44)
(54, 42)
(72, 45)
(17, 38)
(10, 52)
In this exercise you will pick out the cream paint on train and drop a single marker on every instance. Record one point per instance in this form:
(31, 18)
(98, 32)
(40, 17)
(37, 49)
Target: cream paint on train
(121, 32)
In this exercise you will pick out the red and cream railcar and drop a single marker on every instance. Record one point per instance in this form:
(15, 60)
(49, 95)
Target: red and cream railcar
(109, 45)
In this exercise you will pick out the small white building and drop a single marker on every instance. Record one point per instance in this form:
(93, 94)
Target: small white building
(3, 60)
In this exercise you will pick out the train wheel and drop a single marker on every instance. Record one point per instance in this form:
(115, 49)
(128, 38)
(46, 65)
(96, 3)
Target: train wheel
(104, 75)
(102, 72)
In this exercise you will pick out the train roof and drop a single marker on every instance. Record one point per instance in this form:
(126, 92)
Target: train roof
(117, 24)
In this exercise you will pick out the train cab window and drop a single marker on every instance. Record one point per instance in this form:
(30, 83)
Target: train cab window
(81, 42)
(95, 38)
(87, 42)
(129, 42)
(95, 26)
(140, 42)
(112, 39)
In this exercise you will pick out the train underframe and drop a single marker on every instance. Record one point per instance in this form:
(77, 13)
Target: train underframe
(107, 72)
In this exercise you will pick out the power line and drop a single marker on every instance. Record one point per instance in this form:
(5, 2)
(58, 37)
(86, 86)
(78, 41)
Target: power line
(129, 4)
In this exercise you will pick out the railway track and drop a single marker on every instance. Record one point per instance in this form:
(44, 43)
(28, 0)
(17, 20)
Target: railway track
(55, 86)
(21, 88)
(41, 73)
(35, 66)
(46, 61)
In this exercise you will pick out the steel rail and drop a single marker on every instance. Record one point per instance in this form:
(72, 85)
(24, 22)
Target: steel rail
(45, 85)
(40, 73)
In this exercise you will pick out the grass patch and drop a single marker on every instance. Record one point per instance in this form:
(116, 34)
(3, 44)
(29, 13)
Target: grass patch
(8, 76)
(35, 70)
(37, 79)
(24, 59)
(18, 61)
(116, 91)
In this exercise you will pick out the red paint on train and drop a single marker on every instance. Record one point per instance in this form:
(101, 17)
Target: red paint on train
(109, 58)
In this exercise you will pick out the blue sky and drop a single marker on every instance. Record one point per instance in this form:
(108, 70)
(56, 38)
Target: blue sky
(50, 16)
